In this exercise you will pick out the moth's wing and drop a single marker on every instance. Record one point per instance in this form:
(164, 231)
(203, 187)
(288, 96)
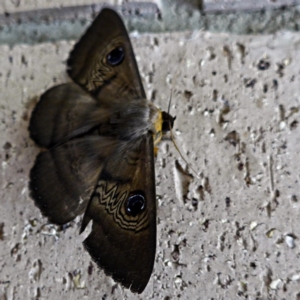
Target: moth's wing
(68, 120)
(103, 62)
(64, 177)
(121, 243)
(64, 112)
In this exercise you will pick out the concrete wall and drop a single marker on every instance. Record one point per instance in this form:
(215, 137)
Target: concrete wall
(229, 233)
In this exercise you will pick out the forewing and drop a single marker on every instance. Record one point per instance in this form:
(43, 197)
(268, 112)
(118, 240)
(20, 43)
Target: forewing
(88, 64)
(64, 177)
(124, 243)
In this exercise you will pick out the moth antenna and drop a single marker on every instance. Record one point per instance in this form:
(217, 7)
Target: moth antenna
(174, 80)
(170, 100)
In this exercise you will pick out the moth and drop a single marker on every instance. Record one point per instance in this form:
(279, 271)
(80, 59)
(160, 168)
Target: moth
(99, 135)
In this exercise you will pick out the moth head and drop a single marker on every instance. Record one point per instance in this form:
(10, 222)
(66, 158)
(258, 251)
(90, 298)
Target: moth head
(163, 123)
(167, 122)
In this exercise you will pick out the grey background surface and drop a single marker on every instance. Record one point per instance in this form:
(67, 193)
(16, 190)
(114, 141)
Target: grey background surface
(230, 233)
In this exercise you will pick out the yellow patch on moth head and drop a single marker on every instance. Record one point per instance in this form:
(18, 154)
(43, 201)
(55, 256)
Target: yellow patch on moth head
(157, 135)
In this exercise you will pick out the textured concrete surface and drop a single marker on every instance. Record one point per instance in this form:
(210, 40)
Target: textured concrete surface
(207, 5)
(19, 6)
(230, 233)
(33, 22)
(240, 5)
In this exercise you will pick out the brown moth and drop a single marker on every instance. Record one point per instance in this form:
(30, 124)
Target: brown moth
(99, 135)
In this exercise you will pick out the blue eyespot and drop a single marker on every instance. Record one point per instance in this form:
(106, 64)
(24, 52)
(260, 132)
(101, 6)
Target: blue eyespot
(135, 204)
(116, 56)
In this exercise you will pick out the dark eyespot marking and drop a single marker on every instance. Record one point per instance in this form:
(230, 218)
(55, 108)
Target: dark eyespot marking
(135, 203)
(116, 56)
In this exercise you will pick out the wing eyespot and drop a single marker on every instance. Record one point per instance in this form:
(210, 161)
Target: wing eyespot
(116, 56)
(135, 203)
